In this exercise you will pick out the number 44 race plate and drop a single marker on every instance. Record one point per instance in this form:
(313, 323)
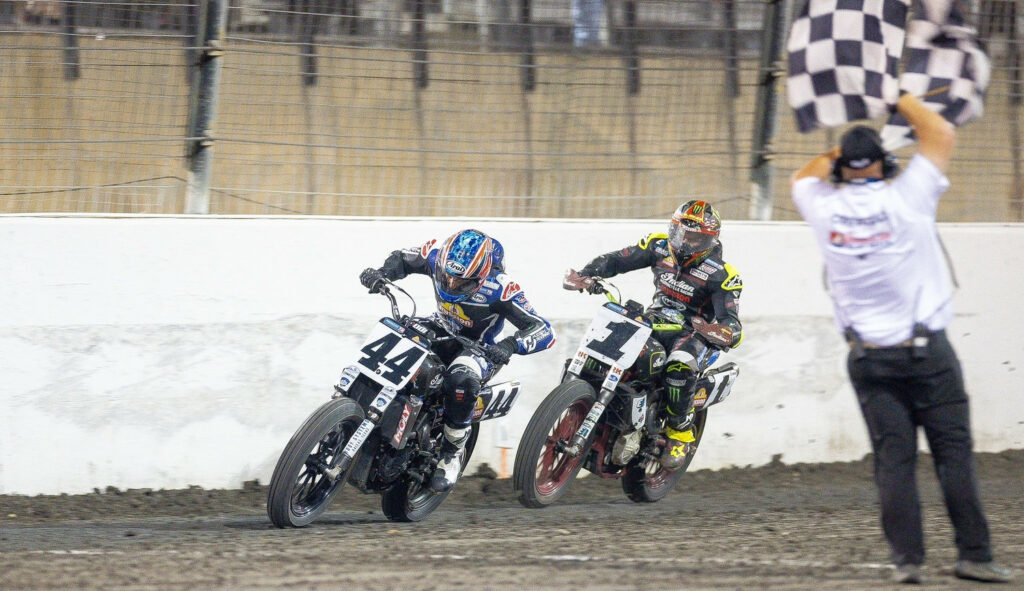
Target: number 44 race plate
(389, 358)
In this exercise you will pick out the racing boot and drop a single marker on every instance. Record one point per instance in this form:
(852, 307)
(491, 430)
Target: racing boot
(680, 444)
(453, 450)
(679, 384)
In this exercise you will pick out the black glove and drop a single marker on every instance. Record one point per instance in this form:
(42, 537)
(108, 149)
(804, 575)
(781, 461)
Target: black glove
(502, 351)
(371, 279)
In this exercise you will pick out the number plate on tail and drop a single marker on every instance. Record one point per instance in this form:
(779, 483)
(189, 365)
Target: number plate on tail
(496, 401)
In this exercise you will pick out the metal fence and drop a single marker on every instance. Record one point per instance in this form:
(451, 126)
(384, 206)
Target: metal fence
(532, 108)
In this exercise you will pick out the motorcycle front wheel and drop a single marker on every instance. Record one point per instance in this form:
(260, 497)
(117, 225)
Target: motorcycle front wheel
(411, 500)
(645, 481)
(299, 489)
(542, 472)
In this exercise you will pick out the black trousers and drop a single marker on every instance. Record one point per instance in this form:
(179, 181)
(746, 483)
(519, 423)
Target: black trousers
(899, 393)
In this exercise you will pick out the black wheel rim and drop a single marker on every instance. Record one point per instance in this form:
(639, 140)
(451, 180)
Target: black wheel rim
(312, 487)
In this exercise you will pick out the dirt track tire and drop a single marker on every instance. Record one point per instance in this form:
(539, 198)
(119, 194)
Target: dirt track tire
(541, 475)
(645, 481)
(299, 493)
(411, 501)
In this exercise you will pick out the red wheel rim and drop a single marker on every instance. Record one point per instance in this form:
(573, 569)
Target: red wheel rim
(554, 468)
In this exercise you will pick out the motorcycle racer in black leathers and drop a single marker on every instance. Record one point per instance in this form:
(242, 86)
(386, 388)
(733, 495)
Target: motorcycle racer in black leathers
(474, 296)
(695, 288)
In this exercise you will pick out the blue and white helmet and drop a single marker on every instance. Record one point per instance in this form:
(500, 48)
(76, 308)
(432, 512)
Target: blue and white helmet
(463, 263)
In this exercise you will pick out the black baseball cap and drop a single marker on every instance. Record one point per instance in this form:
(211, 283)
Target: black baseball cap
(860, 147)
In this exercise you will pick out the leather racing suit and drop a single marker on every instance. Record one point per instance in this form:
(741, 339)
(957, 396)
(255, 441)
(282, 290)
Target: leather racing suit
(708, 288)
(479, 317)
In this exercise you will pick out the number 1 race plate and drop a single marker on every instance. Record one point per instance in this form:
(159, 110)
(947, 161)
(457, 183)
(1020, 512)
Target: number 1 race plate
(388, 357)
(614, 337)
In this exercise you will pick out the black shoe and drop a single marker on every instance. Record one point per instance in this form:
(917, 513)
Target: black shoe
(907, 574)
(447, 472)
(986, 572)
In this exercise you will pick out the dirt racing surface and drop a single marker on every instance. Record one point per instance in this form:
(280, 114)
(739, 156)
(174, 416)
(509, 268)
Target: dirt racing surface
(775, 527)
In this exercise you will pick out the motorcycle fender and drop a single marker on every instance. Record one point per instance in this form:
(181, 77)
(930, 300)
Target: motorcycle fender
(495, 401)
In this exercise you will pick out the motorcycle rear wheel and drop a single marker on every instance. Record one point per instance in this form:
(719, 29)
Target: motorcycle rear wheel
(541, 473)
(299, 490)
(409, 500)
(645, 481)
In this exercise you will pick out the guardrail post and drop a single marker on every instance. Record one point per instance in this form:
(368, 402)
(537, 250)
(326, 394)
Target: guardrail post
(762, 170)
(203, 105)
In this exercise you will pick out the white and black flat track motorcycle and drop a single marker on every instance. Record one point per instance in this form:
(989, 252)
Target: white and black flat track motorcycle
(382, 429)
(607, 415)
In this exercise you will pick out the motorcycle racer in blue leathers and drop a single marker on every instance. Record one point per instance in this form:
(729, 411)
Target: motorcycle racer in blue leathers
(474, 298)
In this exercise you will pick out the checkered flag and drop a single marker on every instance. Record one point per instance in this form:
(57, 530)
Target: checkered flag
(843, 60)
(945, 65)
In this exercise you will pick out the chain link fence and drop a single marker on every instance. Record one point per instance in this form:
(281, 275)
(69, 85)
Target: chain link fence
(525, 108)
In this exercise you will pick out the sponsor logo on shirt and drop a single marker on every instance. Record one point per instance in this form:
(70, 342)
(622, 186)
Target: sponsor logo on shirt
(677, 288)
(861, 233)
(454, 311)
(708, 267)
(525, 305)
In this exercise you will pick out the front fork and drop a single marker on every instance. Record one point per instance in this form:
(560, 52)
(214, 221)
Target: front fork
(611, 380)
(373, 416)
(579, 438)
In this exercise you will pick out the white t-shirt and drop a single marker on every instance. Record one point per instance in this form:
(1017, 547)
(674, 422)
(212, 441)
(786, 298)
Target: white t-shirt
(885, 265)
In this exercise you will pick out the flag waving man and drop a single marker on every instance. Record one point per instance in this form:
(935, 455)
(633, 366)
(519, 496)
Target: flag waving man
(890, 283)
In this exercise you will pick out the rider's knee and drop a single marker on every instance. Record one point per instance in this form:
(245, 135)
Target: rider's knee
(462, 382)
(680, 366)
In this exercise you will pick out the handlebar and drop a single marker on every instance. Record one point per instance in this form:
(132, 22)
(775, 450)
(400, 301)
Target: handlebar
(384, 286)
(717, 334)
(591, 284)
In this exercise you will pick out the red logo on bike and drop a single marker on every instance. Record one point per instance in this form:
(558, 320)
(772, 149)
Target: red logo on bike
(402, 424)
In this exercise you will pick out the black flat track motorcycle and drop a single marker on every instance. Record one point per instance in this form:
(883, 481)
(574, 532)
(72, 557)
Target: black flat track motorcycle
(607, 415)
(382, 429)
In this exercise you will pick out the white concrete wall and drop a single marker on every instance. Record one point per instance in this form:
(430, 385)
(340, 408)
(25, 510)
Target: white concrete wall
(162, 352)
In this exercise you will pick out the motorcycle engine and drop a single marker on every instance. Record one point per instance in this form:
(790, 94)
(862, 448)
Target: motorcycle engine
(626, 447)
(394, 465)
